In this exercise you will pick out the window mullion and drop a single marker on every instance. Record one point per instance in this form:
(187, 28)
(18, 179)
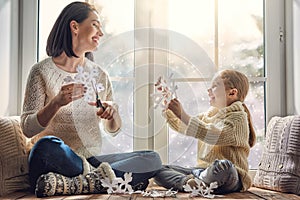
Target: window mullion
(216, 42)
(150, 130)
(141, 91)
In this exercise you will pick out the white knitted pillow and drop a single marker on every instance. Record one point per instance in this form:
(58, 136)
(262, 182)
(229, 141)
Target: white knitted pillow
(279, 168)
(13, 156)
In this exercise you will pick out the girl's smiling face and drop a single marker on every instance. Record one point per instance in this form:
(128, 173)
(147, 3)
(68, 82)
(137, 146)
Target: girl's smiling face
(219, 95)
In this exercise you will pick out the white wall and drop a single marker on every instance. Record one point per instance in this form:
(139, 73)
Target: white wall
(296, 53)
(18, 51)
(4, 53)
(9, 103)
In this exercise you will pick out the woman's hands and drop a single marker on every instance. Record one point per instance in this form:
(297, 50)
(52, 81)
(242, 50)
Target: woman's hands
(176, 107)
(69, 93)
(111, 114)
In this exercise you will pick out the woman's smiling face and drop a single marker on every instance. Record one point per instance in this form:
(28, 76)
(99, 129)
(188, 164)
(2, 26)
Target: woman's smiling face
(89, 33)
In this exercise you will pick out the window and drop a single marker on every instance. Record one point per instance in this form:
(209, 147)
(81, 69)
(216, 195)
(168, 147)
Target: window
(211, 32)
(145, 40)
(116, 19)
(48, 13)
(231, 33)
(115, 55)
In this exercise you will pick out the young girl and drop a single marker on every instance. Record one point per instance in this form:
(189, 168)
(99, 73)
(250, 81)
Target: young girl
(225, 134)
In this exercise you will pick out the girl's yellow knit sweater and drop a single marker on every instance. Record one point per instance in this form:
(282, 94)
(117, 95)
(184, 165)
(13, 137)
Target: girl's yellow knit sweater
(222, 133)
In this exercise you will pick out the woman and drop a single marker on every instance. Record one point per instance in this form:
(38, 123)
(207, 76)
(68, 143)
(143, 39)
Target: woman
(66, 126)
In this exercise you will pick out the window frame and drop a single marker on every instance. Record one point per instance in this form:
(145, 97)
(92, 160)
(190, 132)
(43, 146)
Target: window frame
(276, 55)
(28, 35)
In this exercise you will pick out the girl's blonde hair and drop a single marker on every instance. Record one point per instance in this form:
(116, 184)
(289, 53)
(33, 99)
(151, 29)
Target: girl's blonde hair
(234, 79)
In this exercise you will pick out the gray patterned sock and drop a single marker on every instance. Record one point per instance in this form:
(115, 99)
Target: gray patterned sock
(51, 184)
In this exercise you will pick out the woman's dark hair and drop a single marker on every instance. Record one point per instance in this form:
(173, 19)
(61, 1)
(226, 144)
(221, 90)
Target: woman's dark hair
(60, 37)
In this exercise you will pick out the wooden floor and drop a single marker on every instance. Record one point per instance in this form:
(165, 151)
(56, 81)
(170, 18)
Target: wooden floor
(253, 193)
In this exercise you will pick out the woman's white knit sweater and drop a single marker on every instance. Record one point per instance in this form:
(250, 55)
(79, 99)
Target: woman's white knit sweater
(222, 133)
(76, 123)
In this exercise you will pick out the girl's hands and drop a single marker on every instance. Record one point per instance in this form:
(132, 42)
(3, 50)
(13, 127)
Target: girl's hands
(176, 107)
(69, 93)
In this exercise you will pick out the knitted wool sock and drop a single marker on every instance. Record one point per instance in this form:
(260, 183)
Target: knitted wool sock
(51, 184)
(87, 167)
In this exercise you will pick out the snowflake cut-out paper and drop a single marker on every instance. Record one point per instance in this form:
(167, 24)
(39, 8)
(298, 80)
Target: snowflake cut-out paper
(122, 186)
(118, 185)
(88, 78)
(165, 91)
(201, 189)
(157, 193)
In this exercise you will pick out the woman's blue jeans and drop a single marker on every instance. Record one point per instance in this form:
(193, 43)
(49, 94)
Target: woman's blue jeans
(51, 154)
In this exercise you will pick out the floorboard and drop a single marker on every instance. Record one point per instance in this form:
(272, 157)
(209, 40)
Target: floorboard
(270, 195)
(252, 193)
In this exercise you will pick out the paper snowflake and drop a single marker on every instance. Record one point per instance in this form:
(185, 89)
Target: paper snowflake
(88, 78)
(157, 193)
(122, 186)
(201, 189)
(165, 91)
(118, 185)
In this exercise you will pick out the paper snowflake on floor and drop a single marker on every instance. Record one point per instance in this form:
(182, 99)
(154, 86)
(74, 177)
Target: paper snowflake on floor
(165, 91)
(157, 193)
(122, 186)
(201, 189)
(88, 78)
(118, 185)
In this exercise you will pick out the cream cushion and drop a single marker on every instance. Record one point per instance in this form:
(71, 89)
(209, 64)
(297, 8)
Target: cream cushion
(279, 166)
(14, 148)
